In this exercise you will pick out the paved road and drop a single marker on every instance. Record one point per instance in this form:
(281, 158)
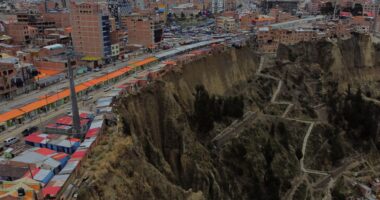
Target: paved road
(83, 105)
(26, 98)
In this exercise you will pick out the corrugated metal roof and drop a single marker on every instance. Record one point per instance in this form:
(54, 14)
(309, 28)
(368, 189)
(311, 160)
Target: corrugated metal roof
(70, 167)
(42, 175)
(60, 177)
(53, 46)
(96, 124)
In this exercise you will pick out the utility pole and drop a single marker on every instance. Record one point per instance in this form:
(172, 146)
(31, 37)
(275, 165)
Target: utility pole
(73, 95)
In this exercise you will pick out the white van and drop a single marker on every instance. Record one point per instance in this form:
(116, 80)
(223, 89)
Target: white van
(10, 141)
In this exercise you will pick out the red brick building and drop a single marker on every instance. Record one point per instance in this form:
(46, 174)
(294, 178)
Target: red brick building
(280, 16)
(61, 19)
(90, 30)
(20, 32)
(143, 30)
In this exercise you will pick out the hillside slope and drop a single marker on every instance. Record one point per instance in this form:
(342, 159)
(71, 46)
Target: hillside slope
(162, 145)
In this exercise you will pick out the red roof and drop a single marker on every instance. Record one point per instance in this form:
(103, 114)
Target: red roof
(44, 151)
(51, 126)
(74, 139)
(84, 121)
(83, 115)
(345, 14)
(59, 156)
(79, 154)
(33, 171)
(66, 120)
(51, 190)
(369, 14)
(92, 132)
(122, 86)
(34, 137)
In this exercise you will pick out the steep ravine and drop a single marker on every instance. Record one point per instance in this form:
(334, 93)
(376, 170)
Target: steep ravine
(156, 151)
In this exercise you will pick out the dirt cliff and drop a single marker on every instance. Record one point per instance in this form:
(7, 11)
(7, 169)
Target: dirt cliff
(157, 150)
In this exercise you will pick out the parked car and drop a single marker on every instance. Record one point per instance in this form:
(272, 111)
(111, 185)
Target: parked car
(9, 141)
(29, 130)
(86, 98)
(106, 89)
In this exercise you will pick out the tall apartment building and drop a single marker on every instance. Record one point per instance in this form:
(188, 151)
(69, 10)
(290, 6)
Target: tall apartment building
(143, 30)
(90, 30)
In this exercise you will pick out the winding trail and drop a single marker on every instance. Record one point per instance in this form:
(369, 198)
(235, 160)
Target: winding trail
(290, 105)
(237, 126)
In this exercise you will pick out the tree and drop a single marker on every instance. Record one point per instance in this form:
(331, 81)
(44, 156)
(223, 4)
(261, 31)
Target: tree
(283, 135)
(272, 130)
(299, 154)
(357, 10)
(203, 110)
(183, 16)
(337, 151)
(233, 107)
(272, 185)
(268, 153)
(337, 195)
(327, 9)
(255, 192)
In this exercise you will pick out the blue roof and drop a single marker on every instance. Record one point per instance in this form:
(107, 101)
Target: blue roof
(53, 46)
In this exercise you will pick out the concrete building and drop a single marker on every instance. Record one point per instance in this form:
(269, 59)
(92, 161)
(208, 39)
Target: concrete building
(7, 74)
(280, 16)
(314, 7)
(290, 6)
(35, 20)
(263, 20)
(229, 5)
(268, 39)
(90, 30)
(369, 7)
(21, 32)
(217, 6)
(115, 50)
(227, 24)
(298, 22)
(60, 18)
(246, 21)
(143, 30)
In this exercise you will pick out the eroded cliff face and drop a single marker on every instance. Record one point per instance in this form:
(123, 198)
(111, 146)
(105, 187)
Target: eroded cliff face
(164, 157)
(159, 119)
(350, 61)
(156, 151)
